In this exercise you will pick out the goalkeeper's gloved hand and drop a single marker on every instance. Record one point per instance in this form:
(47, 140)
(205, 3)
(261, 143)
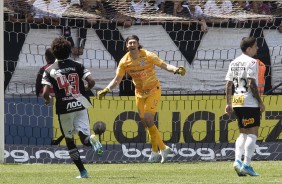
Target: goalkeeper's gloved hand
(180, 70)
(102, 93)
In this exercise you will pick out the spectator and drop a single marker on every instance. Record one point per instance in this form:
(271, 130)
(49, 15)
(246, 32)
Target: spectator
(159, 5)
(212, 9)
(194, 11)
(260, 7)
(138, 8)
(118, 17)
(51, 13)
(47, 12)
(226, 7)
(242, 4)
(177, 8)
(50, 59)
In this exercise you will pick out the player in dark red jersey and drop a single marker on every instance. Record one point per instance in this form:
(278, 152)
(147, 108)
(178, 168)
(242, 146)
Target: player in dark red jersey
(67, 78)
(50, 59)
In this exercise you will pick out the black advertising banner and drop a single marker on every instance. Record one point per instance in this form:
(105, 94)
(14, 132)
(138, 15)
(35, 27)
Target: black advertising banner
(138, 152)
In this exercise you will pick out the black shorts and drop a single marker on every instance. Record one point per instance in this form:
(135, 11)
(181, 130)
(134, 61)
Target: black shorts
(247, 117)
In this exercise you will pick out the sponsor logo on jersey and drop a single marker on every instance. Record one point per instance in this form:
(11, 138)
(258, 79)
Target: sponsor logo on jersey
(248, 121)
(73, 105)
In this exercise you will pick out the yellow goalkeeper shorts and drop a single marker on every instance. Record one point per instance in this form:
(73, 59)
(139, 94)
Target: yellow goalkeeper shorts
(148, 104)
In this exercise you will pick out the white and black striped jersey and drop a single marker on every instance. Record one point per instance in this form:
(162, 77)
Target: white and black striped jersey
(66, 78)
(240, 69)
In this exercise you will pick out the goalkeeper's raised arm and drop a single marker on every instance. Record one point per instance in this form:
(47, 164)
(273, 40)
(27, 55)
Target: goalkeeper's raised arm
(176, 70)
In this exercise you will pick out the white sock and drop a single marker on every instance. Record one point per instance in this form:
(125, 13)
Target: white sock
(250, 147)
(239, 146)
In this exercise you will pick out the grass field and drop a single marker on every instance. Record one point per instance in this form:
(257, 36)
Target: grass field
(191, 172)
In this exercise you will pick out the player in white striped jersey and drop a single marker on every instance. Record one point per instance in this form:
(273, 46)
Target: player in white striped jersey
(246, 103)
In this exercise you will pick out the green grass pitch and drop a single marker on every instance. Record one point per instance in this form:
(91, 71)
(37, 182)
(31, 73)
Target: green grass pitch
(139, 173)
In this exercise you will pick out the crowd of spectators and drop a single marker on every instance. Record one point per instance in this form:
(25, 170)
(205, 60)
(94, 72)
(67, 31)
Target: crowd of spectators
(126, 13)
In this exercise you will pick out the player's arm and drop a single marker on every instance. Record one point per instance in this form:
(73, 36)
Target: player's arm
(46, 87)
(114, 83)
(168, 67)
(204, 27)
(38, 85)
(176, 70)
(46, 94)
(254, 89)
(228, 89)
(90, 82)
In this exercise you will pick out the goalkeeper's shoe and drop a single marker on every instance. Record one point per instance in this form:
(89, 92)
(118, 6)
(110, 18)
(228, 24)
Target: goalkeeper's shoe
(165, 153)
(237, 166)
(96, 145)
(247, 169)
(83, 174)
(154, 157)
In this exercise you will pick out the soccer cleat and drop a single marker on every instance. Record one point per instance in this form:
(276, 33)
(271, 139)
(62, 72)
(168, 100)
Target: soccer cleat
(154, 157)
(96, 145)
(83, 174)
(237, 166)
(247, 169)
(164, 154)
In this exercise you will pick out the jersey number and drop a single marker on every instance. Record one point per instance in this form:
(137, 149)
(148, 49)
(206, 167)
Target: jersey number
(70, 85)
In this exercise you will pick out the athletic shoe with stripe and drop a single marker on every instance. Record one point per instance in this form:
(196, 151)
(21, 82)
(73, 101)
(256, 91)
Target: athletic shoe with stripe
(247, 169)
(237, 166)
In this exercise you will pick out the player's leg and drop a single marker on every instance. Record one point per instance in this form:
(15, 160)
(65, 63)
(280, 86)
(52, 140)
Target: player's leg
(82, 126)
(239, 150)
(151, 106)
(140, 103)
(240, 142)
(66, 123)
(251, 125)
(250, 147)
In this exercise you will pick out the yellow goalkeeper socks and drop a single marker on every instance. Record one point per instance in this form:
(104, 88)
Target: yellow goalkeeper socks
(154, 131)
(153, 140)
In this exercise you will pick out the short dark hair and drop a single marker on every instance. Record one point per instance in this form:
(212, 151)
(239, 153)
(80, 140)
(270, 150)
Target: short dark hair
(133, 37)
(49, 56)
(247, 42)
(61, 48)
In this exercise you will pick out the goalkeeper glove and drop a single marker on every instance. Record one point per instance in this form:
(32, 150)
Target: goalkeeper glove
(102, 93)
(180, 70)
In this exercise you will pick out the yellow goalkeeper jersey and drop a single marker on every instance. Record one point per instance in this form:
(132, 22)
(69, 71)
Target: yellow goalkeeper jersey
(142, 71)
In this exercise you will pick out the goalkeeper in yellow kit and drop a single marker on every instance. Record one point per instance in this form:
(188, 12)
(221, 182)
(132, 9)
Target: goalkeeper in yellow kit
(139, 64)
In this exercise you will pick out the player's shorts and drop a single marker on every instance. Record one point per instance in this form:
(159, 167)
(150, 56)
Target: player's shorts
(74, 122)
(247, 117)
(148, 104)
